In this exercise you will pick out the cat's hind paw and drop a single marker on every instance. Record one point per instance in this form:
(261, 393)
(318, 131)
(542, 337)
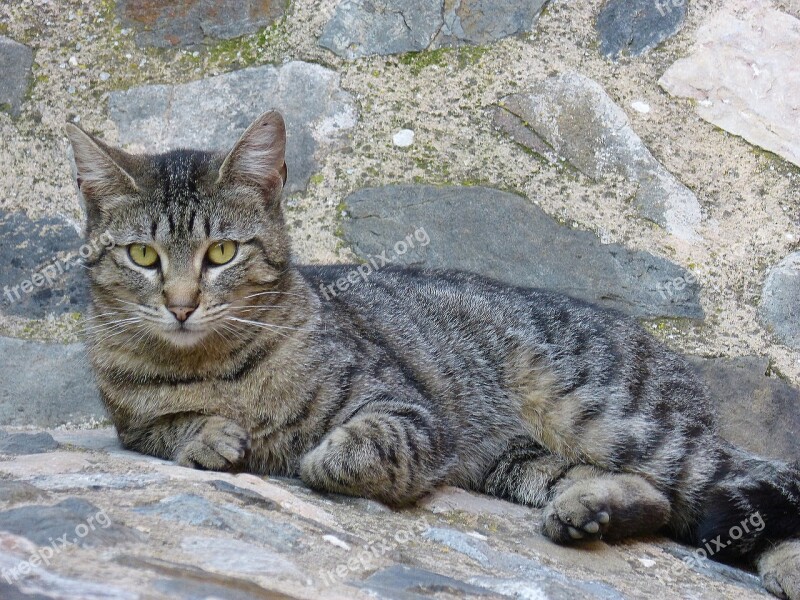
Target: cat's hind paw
(611, 507)
(219, 445)
(779, 568)
(577, 514)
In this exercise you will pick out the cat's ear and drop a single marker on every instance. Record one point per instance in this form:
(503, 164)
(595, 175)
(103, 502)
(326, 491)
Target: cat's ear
(102, 173)
(259, 157)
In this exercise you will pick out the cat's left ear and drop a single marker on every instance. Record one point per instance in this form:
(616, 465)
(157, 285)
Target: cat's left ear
(259, 157)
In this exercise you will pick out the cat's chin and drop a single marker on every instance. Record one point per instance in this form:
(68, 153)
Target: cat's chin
(183, 338)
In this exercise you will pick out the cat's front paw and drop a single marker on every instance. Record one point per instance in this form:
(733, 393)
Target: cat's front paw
(779, 568)
(219, 445)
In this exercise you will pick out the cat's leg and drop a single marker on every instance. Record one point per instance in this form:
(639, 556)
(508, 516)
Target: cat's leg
(590, 504)
(190, 439)
(779, 568)
(582, 502)
(750, 509)
(391, 450)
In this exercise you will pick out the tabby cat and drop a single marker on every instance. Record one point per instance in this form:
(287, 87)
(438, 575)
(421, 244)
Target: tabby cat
(213, 349)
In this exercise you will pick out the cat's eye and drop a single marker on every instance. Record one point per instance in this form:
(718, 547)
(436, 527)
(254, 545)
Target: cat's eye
(221, 253)
(143, 255)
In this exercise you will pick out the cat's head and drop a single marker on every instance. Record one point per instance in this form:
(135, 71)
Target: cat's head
(198, 236)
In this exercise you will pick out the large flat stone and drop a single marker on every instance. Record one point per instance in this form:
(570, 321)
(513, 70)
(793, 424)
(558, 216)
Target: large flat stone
(575, 117)
(15, 73)
(507, 237)
(632, 27)
(366, 27)
(757, 412)
(43, 274)
(212, 113)
(46, 385)
(189, 22)
(780, 300)
(742, 74)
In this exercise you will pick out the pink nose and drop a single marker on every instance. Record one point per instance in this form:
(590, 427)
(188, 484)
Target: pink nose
(181, 312)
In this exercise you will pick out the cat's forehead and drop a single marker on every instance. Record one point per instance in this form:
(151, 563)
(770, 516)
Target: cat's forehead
(180, 177)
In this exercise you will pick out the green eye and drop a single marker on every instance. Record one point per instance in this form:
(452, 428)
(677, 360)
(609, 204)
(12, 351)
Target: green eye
(143, 255)
(222, 252)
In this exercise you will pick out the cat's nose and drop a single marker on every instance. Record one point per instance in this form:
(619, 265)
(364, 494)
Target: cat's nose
(181, 312)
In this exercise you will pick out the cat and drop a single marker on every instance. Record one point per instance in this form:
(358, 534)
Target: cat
(213, 349)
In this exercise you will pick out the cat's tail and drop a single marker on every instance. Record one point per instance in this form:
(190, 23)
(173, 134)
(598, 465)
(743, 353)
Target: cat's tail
(748, 506)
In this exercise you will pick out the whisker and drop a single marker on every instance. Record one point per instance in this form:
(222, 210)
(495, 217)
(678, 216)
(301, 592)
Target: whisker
(275, 293)
(261, 323)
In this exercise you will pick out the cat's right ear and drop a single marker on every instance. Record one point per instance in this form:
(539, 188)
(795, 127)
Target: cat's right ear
(102, 178)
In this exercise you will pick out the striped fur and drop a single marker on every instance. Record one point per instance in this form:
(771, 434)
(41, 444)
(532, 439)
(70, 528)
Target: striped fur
(409, 380)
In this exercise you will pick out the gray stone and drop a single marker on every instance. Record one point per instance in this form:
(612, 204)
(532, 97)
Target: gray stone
(366, 27)
(212, 113)
(575, 117)
(632, 27)
(189, 22)
(196, 510)
(26, 443)
(400, 582)
(742, 76)
(780, 300)
(506, 237)
(548, 582)
(73, 521)
(241, 558)
(757, 412)
(15, 73)
(43, 274)
(46, 385)
(15, 492)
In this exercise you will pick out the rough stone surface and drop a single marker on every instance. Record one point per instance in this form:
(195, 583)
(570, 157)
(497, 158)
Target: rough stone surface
(504, 236)
(742, 74)
(632, 27)
(212, 113)
(190, 22)
(14, 492)
(756, 411)
(83, 523)
(196, 510)
(46, 385)
(365, 27)
(44, 273)
(26, 443)
(186, 536)
(410, 583)
(780, 300)
(15, 74)
(574, 116)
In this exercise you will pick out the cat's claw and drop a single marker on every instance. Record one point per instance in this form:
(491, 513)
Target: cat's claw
(220, 445)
